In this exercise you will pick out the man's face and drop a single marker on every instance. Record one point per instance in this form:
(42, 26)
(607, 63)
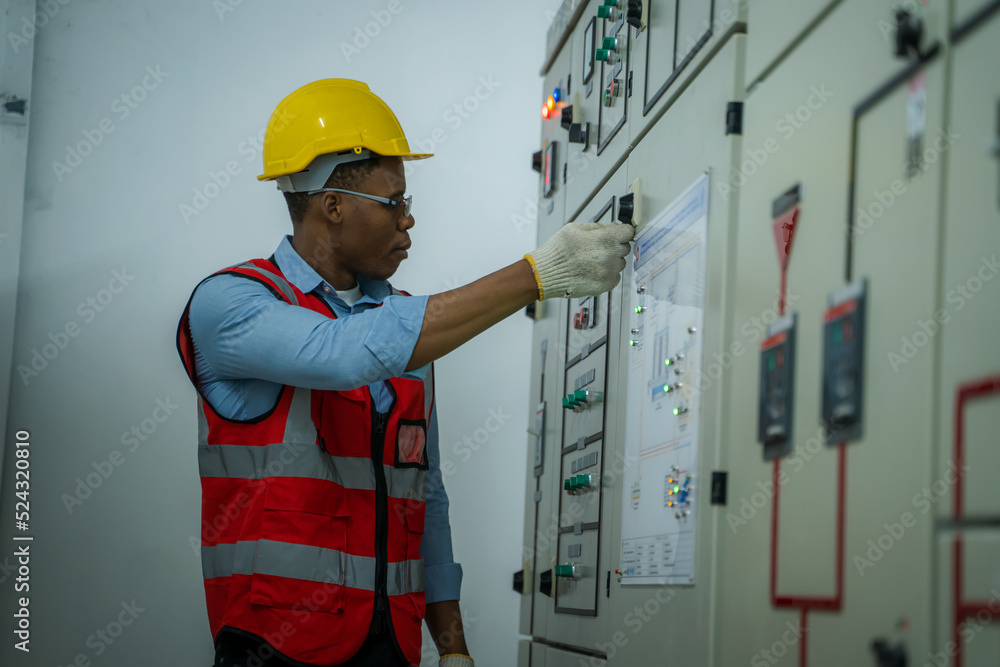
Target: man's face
(374, 235)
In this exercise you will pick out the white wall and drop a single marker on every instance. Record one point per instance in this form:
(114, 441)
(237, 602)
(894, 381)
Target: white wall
(224, 67)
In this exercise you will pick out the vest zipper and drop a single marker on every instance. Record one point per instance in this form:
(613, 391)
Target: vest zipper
(379, 422)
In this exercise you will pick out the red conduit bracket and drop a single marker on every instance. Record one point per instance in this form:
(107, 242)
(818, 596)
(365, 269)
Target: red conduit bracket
(963, 609)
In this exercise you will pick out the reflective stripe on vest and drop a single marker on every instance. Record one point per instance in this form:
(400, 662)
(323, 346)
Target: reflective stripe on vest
(294, 458)
(301, 561)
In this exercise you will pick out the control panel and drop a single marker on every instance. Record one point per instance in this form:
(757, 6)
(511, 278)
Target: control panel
(843, 363)
(777, 388)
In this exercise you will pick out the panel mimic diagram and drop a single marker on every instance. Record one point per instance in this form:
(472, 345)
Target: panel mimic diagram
(664, 372)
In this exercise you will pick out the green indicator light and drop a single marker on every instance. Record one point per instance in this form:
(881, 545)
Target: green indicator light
(666, 388)
(638, 309)
(677, 411)
(633, 342)
(677, 489)
(668, 362)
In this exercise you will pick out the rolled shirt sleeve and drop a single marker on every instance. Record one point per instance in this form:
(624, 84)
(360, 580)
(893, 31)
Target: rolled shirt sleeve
(243, 331)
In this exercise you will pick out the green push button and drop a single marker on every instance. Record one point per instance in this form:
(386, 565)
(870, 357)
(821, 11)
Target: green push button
(610, 3)
(566, 484)
(580, 395)
(564, 570)
(604, 12)
(603, 55)
(610, 43)
(566, 403)
(583, 481)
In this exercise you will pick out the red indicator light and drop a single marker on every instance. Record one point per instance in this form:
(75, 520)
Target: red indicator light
(545, 112)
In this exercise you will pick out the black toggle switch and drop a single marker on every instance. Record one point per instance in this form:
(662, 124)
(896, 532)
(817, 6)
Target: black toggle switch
(566, 119)
(536, 161)
(579, 133)
(634, 14)
(887, 655)
(909, 33)
(545, 583)
(626, 208)
(519, 582)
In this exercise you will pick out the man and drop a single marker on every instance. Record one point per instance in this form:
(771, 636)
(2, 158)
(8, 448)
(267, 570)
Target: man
(323, 509)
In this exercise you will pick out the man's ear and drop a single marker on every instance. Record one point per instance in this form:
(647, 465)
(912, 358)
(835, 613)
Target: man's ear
(331, 207)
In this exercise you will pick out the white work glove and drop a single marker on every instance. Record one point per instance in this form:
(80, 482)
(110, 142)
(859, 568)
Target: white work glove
(581, 259)
(456, 660)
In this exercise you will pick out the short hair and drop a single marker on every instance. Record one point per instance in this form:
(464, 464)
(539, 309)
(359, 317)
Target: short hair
(346, 176)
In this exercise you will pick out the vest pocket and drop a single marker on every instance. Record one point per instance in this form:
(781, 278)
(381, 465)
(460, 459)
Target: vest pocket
(343, 420)
(411, 444)
(301, 560)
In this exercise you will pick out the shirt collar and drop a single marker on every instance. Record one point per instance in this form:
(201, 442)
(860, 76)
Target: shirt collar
(298, 272)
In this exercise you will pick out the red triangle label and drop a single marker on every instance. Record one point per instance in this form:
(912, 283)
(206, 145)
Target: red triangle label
(784, 231)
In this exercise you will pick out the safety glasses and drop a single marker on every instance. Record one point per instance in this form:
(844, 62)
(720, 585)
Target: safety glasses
(406, 202)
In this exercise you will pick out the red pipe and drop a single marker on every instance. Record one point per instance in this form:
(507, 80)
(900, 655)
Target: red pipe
(963, 609)
(805, 603)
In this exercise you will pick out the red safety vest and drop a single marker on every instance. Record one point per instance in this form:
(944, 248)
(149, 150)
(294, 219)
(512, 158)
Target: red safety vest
(312, 510)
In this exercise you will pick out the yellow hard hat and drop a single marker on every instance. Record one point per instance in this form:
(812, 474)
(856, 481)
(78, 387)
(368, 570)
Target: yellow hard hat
(326, 123)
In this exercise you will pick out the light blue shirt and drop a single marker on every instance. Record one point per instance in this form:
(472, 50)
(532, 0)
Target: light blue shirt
(248, 344)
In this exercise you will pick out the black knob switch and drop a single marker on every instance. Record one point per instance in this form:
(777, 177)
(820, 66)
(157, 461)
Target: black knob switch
(545, 583)
(626, 208)
(887, 655)
(519, 581)
(634, 14)
(566, 119)
(909, 33)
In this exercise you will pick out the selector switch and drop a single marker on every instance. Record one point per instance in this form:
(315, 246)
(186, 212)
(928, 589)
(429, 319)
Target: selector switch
(566, 117)
(634, 14)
